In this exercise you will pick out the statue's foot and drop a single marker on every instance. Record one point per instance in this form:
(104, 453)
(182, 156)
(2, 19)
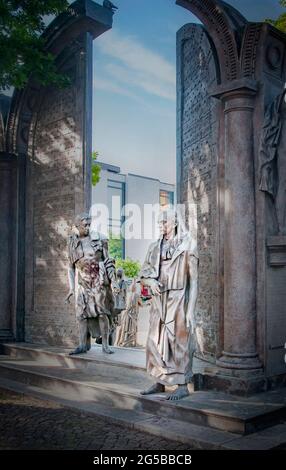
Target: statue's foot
(78, 350)
(181, 392)
(156, 388)
(107, 350)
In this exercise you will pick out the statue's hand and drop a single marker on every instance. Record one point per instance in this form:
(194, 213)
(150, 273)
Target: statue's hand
(155, 287)
(115, 287)
(70, 294)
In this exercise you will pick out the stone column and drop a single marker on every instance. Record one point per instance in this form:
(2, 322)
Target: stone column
(239, 328)
(7, 230)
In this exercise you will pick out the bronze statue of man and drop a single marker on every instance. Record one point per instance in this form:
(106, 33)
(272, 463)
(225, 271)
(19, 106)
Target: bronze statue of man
(170, 271)
(91, 276)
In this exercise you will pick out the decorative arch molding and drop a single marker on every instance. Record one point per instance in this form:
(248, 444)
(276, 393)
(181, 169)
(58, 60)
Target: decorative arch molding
(225, 26)
(249, 51)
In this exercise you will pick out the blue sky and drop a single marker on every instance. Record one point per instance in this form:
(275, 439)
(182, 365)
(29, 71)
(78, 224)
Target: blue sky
(134, 119)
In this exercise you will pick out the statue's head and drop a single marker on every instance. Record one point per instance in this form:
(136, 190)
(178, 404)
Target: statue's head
(119, 273)
(82, 223)
(167, 221)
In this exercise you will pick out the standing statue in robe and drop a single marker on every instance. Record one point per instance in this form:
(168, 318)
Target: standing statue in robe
(92, 279)
(127, 331)
(171, 272)
(120, 300)
(273, 158)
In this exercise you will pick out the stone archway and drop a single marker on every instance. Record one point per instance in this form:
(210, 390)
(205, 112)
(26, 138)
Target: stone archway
(249, 72)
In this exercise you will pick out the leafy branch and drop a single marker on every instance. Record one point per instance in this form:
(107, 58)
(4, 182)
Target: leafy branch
(280, 22)
(22, 49)
(95, 169)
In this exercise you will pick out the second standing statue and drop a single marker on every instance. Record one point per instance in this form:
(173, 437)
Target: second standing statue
(171, 272)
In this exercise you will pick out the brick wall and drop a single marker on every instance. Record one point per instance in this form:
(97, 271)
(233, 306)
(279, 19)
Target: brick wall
(55, 194)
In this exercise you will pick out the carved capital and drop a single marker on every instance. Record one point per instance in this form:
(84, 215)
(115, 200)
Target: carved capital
(240, 87)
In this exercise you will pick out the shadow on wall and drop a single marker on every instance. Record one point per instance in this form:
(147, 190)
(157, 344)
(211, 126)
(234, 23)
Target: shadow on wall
(54, 195)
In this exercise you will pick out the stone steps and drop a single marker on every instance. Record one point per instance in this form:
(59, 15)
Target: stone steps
(112, 384)
(198, 437)
(60, 356)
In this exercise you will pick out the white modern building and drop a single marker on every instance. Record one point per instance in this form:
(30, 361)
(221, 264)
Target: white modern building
(116, 190)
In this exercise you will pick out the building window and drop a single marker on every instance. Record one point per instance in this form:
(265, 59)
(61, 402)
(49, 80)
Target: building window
(166, 198)
(116, 201)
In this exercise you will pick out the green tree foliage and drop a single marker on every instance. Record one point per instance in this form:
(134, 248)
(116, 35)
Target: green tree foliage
(95, 169)
(115, 247)
(280, 22)
(130, 267)
(22, 49)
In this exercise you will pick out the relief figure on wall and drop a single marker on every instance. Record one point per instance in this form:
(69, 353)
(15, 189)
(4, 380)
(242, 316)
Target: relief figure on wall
(273, 158)
(170, 271)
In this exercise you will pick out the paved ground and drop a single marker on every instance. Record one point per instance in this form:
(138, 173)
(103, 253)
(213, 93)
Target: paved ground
(30, 423)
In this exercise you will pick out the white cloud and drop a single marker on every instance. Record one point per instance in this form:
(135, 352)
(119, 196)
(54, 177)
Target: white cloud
(138, 66)
(109, 85)
(142, 80)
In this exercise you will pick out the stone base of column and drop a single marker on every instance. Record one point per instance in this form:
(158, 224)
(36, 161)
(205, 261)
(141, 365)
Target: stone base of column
(242, 383)
(232, 374)
(248, 361)
(233, 381)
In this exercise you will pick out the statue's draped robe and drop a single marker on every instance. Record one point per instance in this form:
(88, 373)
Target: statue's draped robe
(170, 346)
(127, 331)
